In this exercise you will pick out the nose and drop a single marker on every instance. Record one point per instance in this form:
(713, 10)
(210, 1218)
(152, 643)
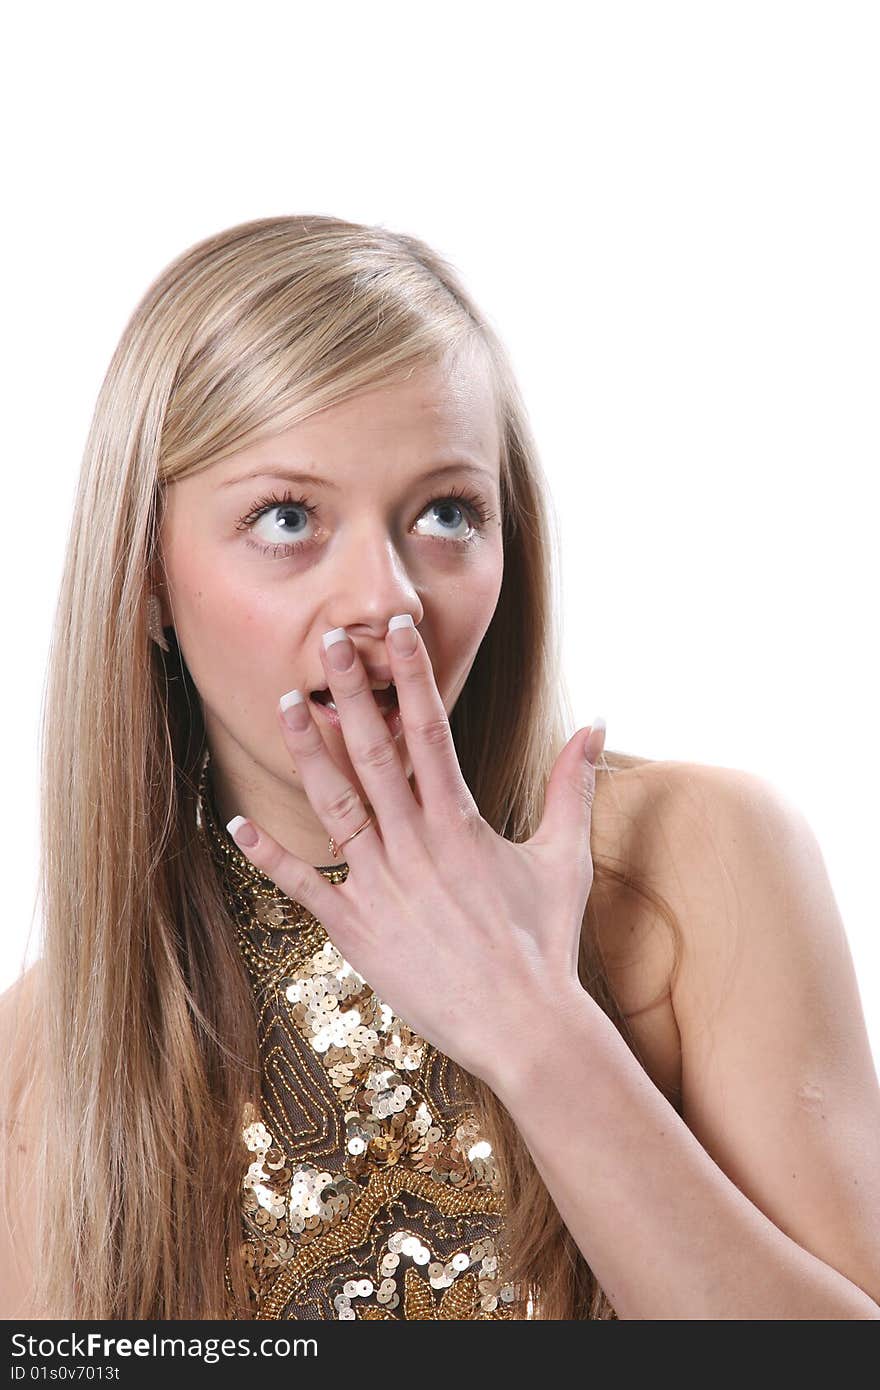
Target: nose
(369, 585)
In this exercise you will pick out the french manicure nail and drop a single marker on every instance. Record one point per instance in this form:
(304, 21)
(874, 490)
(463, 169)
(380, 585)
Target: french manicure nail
(402, 634)
(597, 727)
(339, 649)
(242, 832)
(294, 707)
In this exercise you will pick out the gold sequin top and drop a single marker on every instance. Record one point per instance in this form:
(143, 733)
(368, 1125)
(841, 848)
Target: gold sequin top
(367, 1189)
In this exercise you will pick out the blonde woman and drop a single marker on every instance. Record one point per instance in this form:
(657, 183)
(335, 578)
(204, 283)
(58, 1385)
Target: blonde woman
(417, 1006)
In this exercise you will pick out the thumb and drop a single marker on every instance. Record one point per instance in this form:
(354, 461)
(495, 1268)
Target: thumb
(568, 802)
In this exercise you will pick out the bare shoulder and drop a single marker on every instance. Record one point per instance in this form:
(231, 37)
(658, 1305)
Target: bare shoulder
(18, 1021)
(19, 1098)
(639, 808)
(663, 825)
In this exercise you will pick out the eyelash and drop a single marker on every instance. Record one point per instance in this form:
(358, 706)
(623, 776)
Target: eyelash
(473, 502)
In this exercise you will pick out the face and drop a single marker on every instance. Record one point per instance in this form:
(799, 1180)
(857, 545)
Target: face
(260, 564)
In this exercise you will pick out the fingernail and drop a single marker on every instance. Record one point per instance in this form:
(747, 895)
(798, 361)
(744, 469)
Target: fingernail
(402, 634)
(295, 710)
(339, 649)
(597, 727)
(242, 832)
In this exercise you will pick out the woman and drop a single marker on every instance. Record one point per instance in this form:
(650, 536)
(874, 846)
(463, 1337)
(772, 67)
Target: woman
(562, 1035)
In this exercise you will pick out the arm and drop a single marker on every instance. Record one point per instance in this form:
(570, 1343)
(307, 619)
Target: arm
(774, 1211)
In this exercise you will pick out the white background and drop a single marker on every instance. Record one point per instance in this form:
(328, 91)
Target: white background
(670, 213)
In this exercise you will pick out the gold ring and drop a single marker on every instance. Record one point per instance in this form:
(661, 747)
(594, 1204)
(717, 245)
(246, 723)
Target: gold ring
(336, 846)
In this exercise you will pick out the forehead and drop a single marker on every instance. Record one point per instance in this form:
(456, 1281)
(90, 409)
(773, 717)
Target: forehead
(431, 413)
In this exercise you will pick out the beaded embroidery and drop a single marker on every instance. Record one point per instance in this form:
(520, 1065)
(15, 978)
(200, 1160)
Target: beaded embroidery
(368, 1191)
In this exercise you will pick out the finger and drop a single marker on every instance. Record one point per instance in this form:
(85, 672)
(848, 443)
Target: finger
(368, 737)
(425, 722)
(337, 804)
(571, 791)
(299, 881)
(595, 745)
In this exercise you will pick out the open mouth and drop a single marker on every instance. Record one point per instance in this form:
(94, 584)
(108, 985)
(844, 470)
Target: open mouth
(385, 699)
(387, 704)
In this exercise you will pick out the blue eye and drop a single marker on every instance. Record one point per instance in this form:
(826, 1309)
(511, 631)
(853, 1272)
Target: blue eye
(458, 501)
(452, 504)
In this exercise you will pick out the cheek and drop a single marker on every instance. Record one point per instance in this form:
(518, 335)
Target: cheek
(476, 597)
(236, 646)
(461, 626)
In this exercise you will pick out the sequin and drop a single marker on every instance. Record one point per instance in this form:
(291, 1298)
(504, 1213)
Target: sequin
(367, 1190)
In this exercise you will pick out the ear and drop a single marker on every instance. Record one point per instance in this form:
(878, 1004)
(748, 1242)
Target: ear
(156, 585)
(156, 578)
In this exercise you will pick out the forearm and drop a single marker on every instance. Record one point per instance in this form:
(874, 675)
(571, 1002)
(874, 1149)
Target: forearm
(665, 1231)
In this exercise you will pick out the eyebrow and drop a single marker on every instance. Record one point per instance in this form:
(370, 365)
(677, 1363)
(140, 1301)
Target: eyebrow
(311, 479)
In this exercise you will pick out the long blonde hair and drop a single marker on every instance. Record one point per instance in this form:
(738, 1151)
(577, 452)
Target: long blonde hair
(148, 1040)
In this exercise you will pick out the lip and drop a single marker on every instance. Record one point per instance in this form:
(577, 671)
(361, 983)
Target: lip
(331, 717)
